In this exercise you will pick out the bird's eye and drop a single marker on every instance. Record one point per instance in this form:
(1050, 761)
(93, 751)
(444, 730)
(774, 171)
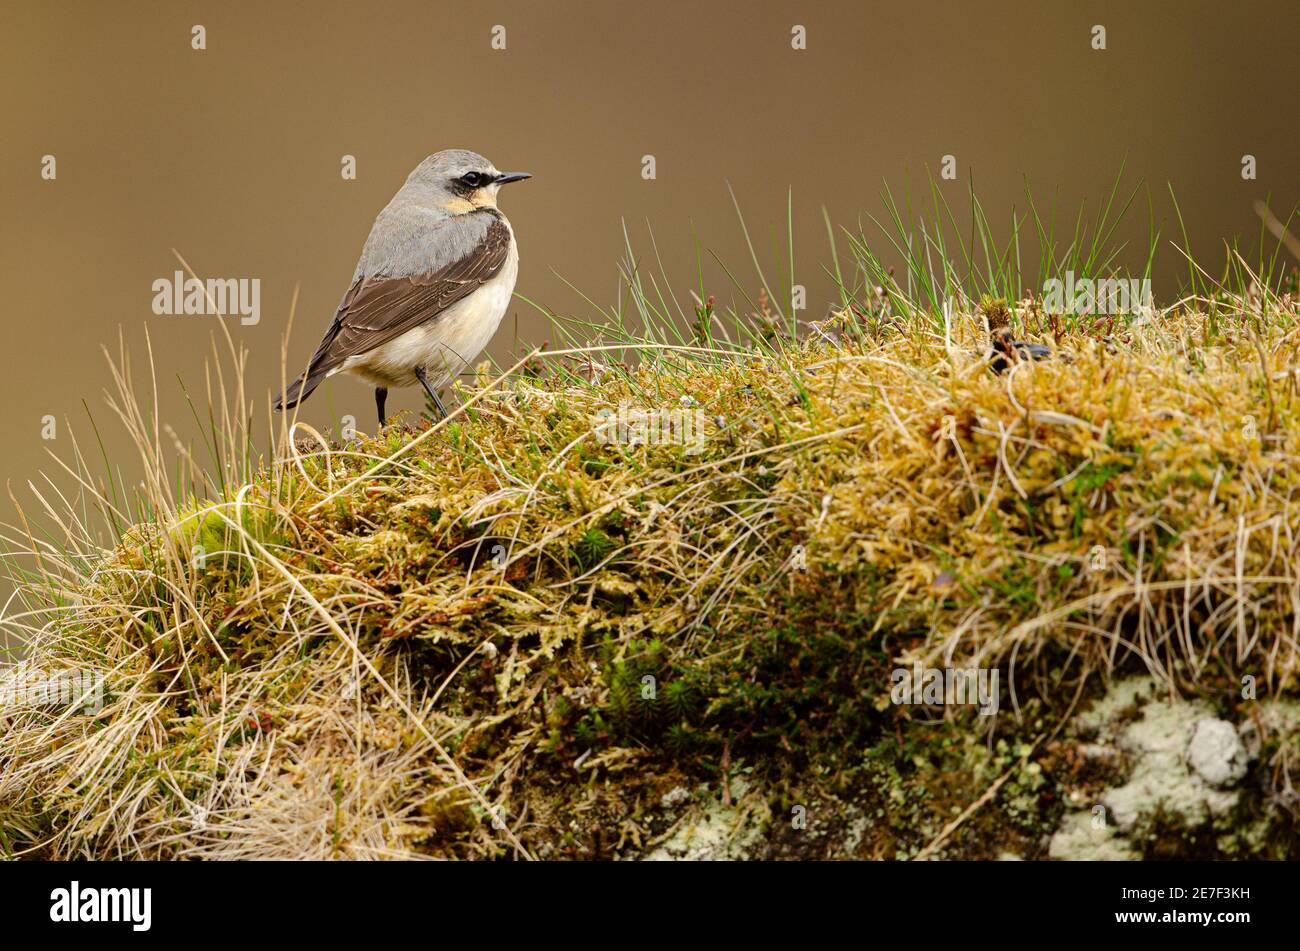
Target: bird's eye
(472, 179)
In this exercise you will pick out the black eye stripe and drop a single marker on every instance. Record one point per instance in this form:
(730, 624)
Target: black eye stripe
(475, 179)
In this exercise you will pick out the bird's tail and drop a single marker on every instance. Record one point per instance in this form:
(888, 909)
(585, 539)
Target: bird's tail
(299, 390)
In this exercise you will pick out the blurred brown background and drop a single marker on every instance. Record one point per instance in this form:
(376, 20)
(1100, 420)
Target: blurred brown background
(232, 154)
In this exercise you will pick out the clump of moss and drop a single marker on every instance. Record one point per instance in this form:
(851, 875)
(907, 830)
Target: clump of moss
(509, 635)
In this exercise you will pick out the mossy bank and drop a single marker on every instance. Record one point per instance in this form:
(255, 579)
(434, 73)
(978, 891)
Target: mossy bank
(607, 609)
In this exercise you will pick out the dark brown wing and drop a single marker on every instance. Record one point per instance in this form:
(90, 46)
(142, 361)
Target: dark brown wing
(376, 310)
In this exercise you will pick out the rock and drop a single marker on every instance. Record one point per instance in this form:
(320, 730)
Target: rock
(713, 831)
(1080, 840)
(1216, 752)
(1160, 777)
(1182, 759)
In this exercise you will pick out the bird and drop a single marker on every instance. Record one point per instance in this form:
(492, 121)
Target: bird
(434, 280)
(1007, 351)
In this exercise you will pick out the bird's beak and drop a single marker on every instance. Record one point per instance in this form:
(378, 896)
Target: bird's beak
(505, 178)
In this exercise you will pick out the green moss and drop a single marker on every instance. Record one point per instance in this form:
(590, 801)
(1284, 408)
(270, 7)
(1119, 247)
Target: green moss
(582, 630)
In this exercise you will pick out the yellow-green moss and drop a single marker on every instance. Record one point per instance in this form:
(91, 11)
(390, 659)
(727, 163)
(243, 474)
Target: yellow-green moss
(579, 627)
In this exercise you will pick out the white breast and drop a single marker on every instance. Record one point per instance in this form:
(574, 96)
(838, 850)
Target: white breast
(447, 344)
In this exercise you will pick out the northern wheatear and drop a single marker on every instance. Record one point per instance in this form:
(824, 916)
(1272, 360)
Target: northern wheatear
(434, 280)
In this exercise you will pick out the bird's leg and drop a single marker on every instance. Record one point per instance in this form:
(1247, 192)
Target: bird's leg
(381, 397)
(433, 394)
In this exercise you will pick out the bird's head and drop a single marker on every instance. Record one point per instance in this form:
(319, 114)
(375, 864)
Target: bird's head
(458, 181)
